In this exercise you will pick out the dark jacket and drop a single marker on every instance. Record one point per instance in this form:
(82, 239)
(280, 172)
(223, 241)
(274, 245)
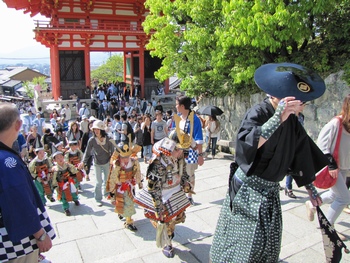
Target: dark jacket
(289, 147)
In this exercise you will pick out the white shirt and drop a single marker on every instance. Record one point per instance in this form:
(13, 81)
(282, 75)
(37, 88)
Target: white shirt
(33, 110)
(84, 126)
(67, 112)
(84, 111)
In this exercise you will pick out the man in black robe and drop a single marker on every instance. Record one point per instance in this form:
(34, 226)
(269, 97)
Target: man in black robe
(270, 141)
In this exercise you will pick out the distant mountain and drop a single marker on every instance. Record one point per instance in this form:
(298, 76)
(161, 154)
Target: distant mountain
(30, 54)
(40, 54)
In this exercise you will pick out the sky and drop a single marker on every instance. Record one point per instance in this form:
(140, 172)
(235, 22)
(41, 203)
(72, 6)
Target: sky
(17, 38)
(19, 29)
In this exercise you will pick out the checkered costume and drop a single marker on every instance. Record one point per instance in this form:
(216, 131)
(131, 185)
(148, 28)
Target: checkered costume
(22, 212)
(11, 250)
(197, 135)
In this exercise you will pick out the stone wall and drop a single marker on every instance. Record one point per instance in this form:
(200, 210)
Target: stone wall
(317, 113)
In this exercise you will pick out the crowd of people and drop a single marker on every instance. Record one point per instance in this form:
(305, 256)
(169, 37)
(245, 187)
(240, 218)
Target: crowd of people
(60, 156)
(271, 143)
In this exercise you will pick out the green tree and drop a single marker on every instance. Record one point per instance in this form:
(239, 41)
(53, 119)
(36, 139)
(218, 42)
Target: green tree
(40, 81)
(29, 85)
(29, 89)
(112, 70)
(215, 46)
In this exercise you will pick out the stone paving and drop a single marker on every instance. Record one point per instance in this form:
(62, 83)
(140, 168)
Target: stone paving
(95, 234)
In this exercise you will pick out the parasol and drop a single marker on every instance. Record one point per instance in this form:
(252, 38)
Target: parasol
(210, 110)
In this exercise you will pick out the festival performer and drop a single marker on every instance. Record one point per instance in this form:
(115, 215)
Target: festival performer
(270, 141)
(125, 174)
(165, 199)
(188, 121)
(40, 169)
(63, 180)
(75, 156)
(60, 147)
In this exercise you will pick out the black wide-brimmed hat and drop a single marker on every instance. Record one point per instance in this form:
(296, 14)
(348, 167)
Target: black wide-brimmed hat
(287, 79)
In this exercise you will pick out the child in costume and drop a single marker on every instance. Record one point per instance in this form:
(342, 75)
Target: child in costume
(48, 139)
(165, 199)
(60, 147)
(74, 156)
(40, 169)
(63, 180)
(125, 174)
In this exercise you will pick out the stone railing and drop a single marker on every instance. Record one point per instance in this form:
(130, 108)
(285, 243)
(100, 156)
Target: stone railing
(49, 105)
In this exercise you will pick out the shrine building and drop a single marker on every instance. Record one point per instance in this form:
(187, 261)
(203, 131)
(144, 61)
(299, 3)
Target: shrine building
(77, 28)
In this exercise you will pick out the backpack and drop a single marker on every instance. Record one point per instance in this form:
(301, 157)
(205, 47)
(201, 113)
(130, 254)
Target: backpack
(130, 131)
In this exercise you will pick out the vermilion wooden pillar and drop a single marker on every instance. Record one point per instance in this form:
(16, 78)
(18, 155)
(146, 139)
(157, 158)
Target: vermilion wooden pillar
(55, 72)
(142, 71)
(132, 73)
(87, 66)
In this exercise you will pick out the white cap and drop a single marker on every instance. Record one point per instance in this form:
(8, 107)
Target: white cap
(98, 124)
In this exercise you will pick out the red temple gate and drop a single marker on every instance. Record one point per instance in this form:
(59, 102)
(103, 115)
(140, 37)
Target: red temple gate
(77, 28)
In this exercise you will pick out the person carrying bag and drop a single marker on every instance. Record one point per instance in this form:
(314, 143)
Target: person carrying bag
(324, 179)
(338, 196)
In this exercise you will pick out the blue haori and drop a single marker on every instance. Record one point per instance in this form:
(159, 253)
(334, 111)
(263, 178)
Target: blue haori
(11, 250)
(175, 205)
(252, 232)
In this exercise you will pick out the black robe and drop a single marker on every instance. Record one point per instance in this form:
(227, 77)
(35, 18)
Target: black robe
(288, 148)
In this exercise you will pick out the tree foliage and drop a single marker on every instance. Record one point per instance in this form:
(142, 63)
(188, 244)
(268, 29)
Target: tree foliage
(29, 85)
(215, 46)
(112, 70)
(29, 89)
(40, 81)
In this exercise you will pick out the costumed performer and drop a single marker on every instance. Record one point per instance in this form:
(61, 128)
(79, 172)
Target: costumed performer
(75, 156)
(125, 174)
(40, 169)
(270, 141)
(165, 199)
(189, 122)
(63, 180)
